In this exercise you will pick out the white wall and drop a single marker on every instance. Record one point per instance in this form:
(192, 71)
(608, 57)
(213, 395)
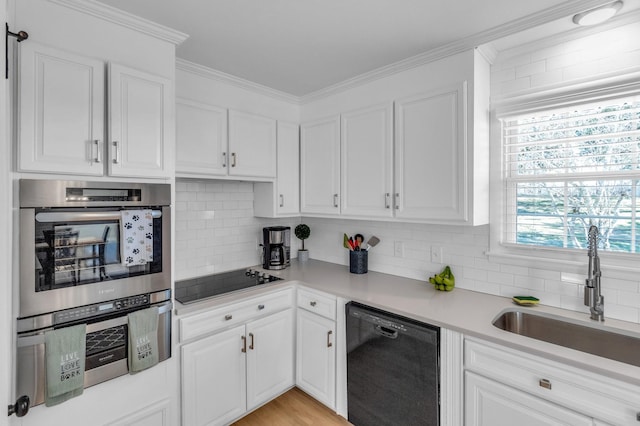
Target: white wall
(6, 321)
(68, 29)
(216, 229)
(548, 64)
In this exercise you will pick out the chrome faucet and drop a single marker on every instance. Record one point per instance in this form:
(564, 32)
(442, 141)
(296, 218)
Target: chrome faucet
(592, 291)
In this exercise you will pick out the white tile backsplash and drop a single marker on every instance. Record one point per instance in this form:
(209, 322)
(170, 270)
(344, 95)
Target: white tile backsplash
(555, 62)
(215, 227)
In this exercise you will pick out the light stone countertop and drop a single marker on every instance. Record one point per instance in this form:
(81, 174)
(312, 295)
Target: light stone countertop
(464, 311)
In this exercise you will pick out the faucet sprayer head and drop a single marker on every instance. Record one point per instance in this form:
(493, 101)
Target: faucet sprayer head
(593, 241)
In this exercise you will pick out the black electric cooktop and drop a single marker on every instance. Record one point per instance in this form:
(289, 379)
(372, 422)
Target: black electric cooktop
(196, 289)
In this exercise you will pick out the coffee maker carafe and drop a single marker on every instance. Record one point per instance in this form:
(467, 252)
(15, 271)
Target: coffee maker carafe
(276, 247)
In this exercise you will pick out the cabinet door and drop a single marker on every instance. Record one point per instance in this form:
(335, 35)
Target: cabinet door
(201, 139)
(252, 145)
(315, 357)
(430, 156)
(367, 161)
(61, 111)
(140, 108)
(214, 379)
(269, 357)
(489, 403)
(320, 167)
(288, 182)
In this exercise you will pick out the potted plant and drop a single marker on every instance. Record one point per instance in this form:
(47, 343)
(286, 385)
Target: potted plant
(302, 231)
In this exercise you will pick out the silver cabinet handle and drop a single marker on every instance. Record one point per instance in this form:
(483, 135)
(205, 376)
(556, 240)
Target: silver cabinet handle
(244, 344)
(281, 200)
(335, 200)
(387, 199)
(397, 204)
(260, 307)
(224, 159)
(233, 159)
(312, 303)
(98, 157)
(329, 333)
(116, 157)
(545, 383)
(252, 341)
(228, 317)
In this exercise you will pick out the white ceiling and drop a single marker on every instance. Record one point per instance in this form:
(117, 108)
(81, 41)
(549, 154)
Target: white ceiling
(302, 46)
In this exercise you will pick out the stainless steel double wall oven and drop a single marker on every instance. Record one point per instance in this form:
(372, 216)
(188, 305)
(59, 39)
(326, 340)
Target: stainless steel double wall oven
(72, 272)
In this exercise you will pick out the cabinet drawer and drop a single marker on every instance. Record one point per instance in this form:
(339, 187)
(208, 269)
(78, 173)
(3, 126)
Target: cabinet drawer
(236, 313)
(588, 393)
(317, 302)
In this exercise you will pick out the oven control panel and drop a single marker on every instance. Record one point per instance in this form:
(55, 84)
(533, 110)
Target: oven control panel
(99, 309)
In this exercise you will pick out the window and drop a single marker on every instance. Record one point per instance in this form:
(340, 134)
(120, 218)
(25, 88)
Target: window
(571, 168)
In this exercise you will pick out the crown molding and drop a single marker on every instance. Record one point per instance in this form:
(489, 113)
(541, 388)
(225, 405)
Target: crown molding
(125, 19)
(528, 22)
(212, 74)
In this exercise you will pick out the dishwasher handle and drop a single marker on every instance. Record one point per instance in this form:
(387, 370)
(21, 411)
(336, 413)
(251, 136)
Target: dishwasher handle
(386, 332)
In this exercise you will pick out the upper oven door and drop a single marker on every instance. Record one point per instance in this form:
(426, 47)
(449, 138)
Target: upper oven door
(74, 256)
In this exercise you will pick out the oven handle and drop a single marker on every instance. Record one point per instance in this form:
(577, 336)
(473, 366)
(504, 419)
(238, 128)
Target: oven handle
(52, 217)
(38, 338)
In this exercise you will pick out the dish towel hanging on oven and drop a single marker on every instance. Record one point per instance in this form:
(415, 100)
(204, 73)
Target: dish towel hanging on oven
(65, 350)
(143, 339)
(137, 237)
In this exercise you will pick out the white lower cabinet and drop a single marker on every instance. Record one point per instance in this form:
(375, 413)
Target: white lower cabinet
(316, 346)
(489, 403)
(505, 387)
(269, 357)
(214, 385)
(153, 415)
(229, 373)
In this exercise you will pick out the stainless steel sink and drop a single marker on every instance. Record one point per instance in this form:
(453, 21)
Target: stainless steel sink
(596, 340)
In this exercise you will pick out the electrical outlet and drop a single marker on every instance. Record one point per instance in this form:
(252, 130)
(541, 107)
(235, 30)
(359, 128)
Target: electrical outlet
(398, 249)
(436, 254)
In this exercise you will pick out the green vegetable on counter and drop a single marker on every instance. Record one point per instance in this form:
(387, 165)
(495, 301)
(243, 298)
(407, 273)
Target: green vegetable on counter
(444, 281)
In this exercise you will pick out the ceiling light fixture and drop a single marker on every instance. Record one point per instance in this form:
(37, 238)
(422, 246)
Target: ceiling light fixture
(597, 15)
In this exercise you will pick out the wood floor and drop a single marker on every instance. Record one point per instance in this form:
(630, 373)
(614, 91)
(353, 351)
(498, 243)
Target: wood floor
(293, 408)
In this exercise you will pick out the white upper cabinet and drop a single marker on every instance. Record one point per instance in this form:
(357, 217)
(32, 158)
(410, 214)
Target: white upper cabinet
(320, 166)
(61, 112)
(213, 141)
(288, 182)
(367, 162)
(201, 138)
(426, 159)
(252, 145)
(430, 156)
(282, 198)
(139, 109)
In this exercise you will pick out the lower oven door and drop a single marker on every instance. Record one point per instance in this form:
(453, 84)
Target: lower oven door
(106, 353)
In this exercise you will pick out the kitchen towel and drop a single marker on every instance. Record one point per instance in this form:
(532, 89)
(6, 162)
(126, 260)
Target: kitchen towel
(65, 350)
(143, 339)
(137, 237)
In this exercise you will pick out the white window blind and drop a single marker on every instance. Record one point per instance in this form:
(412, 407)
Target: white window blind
(568, 169)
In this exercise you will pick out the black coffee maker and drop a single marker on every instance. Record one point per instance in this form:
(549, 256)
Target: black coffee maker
(276, 247)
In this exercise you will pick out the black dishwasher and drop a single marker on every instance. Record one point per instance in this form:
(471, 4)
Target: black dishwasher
(393, 369)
